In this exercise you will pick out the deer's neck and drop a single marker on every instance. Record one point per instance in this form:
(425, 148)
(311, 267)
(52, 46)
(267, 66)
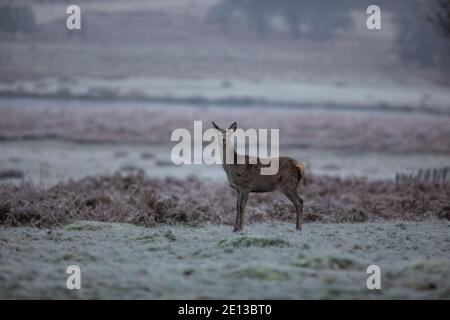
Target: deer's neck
(228, 150)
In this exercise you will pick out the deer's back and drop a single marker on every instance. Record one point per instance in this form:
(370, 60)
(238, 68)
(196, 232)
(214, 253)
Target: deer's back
(248, 176)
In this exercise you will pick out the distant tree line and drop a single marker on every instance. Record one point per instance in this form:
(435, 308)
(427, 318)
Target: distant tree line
(421, 27)
(417, 41)
(322, 17)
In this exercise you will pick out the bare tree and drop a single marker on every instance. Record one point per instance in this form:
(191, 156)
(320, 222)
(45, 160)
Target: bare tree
(441, 17)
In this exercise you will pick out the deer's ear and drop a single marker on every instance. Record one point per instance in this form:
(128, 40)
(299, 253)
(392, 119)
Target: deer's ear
(233, 126)
(215, 126)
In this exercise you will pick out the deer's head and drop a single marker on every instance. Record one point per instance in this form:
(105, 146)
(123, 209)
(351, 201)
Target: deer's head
(225, 134)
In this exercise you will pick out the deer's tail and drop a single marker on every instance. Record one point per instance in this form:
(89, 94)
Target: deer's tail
(300, 167)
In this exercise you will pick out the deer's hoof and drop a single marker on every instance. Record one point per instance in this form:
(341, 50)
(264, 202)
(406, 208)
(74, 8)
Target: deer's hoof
(236, 229)
(299, 228)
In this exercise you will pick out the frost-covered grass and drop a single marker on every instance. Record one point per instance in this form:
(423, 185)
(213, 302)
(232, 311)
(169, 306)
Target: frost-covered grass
(324, 261)
(140, 200)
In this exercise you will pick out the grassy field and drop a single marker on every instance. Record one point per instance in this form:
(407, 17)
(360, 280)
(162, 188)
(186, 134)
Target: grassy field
(269, 261)
(172, 239)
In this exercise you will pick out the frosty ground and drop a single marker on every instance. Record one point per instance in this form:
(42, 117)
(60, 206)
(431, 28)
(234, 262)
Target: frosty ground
(269, 260)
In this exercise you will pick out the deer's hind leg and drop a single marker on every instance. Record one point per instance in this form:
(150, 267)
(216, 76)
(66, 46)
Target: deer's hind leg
(292, 195)
(237, 223)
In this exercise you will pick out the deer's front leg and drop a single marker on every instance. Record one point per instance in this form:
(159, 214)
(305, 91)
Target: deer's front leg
(300, 214)
(243, 203)
(238, 206)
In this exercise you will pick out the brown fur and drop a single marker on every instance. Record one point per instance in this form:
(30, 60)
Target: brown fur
(247, 178)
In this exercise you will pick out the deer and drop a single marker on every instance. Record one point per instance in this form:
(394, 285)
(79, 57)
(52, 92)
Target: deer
(246, 178)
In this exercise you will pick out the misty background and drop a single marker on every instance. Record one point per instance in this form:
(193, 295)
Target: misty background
(347, 100)
(226, 40)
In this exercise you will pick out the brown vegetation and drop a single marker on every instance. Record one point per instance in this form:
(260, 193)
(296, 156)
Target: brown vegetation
(147, 201)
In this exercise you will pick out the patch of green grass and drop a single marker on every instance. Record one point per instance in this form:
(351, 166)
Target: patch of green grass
(335, 263)
(303, 262)
(262, 273)
(245, 242)
(427, 266)
(147, 238)
(87, 226)
(201, 254)
(78, 256)
(338, 263)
